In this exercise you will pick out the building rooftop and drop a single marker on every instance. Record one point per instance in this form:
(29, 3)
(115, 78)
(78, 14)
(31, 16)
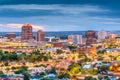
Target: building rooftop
(27, 24)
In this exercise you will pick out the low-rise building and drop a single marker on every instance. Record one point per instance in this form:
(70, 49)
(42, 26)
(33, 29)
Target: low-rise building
(86, 50)
(10, 35)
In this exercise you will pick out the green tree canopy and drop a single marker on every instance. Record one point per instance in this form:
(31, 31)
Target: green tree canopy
(90, 78)
(74, 68)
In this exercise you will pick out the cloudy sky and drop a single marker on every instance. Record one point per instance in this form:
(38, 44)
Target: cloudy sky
(60, 15)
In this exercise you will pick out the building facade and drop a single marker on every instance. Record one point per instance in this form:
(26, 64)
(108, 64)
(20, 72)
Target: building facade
(77, 39)
(90, 37)
(26, 32)
(40, 36)
(102, 35)
(86, 50)
(10, 35)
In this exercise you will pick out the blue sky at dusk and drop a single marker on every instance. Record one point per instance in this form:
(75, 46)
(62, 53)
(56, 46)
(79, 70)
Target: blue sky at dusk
(60, 15)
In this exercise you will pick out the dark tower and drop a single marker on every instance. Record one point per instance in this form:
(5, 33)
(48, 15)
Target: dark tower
(90, 37)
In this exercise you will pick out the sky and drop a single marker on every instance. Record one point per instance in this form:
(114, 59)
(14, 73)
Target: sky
(60, 15)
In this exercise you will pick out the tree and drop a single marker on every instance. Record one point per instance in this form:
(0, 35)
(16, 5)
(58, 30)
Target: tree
(52, 70)
(26, 75)
(6, 52)
(1, 52)
(118, 58)
(102, 51)
(21, 57)
(1, 73)
(12, 57)
(89, 71)
(92, 71)
(6, 64)
(42, 74)
(103, 69)
(74, 68)
(90, 78)
(44, 79)
(45, 58)
(100, 57)
(72, 46)
(24, 68)
(40, 65)
(63, 75)
(20, 71)
(59, 51)
(14, 68)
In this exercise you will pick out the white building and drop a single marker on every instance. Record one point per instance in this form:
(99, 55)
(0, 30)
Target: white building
(77, 39)
(3, 39)
(102, 35)
(37, 70)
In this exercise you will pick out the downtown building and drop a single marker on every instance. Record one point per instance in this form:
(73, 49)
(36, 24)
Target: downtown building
(112, 37)
(27, 33)
(90, 37)
(83, 49)
(102, 35)
(10, 35)
(76, 39)
(40, 36)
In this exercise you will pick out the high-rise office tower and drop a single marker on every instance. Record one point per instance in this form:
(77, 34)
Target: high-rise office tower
(90, 37)
(27, 32)
(40, 35)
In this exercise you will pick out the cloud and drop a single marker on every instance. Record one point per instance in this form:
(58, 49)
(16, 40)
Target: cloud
(57, 17)
(111, 23)
(13, 26)
(36, 27)
(106, 18)
(65, 23)
(55, 9)
(1, 25)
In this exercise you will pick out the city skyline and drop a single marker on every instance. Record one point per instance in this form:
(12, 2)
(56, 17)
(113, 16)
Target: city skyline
(60, 15)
